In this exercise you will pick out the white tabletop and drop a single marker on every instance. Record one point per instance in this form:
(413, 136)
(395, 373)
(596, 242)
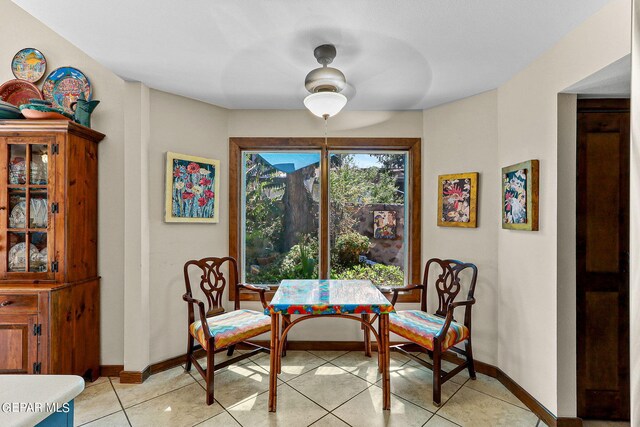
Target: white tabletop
(36, 391)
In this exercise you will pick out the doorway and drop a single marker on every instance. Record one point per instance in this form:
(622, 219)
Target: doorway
(602, 259)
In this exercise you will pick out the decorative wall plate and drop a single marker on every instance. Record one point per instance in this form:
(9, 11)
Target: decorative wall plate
(29, 64)
(17, 171)
(38, 213)
(17, 92)
(17, 216)
(63, 87)
(33, 114)
(17, 256)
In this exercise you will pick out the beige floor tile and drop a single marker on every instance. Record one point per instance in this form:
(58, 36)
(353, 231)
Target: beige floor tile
(293, 364)
(293, 410)
(259, 356)
(472, 408)
(329, 420)
(183, 407)
(328, 385)
(366, 410)
(100, 380)
(238, 383)
(438, 421)
(220, 420)
(493, 387)
(114, 420)
(155, 385)
(329, 355)
(367, 367)
(219, 358)
(95, 402)
(415, 385)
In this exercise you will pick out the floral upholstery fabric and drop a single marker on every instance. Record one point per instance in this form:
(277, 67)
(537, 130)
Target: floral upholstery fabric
(421, 328)
(231, 327)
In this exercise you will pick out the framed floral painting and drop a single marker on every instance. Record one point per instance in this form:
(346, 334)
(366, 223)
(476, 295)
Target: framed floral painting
(457, 200)
(192, 188)
(520, 196)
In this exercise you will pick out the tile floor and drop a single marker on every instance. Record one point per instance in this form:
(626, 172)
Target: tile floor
(317, 388)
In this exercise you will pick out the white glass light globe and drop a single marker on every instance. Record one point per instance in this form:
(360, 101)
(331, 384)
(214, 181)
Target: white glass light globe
(325, 103)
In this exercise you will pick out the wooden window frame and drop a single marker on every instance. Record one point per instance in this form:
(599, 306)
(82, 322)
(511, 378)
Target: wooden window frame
(413, 238)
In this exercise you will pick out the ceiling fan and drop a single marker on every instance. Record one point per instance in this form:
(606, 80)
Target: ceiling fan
(325, 84)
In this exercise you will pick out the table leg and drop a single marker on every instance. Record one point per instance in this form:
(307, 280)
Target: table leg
(274, 358)
(367, 336)
(384, 354)
(286, 319)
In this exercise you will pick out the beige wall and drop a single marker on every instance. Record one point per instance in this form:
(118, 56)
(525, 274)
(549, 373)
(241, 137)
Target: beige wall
(302, 123)
(18, 30)
(463, 137)
(527, 261)
(189, 127)
(634, 283)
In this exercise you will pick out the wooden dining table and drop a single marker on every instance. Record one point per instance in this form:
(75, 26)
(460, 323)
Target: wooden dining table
(347, 299)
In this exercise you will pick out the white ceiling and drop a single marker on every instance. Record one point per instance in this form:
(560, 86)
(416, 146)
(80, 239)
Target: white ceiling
(614, 80)
(396, 55)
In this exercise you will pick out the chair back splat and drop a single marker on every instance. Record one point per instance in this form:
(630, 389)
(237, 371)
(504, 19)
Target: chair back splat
(212, 281)
(448, 283)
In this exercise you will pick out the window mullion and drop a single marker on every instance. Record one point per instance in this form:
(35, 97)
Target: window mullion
(324, 213)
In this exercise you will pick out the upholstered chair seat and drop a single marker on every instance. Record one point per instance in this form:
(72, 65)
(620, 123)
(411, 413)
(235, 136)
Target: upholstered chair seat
(421, 328)
(231, 327)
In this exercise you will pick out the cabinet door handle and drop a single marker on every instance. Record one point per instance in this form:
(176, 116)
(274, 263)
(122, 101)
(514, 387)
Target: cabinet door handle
(5, 303)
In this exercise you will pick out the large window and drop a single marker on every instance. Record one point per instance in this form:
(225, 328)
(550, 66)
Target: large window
(346, 209)
(280, 216)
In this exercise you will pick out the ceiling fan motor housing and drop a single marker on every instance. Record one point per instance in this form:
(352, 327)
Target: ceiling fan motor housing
(325, 79)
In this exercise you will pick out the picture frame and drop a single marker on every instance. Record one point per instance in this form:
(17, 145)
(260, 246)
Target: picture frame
(520, 196)
(192, 186)
(458, 200)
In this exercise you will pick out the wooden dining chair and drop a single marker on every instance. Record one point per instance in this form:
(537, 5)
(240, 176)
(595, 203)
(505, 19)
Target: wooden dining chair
(217, 329)
(439, 332)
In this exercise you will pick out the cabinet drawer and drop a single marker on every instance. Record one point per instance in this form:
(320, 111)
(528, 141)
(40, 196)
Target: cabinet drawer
(18, 303)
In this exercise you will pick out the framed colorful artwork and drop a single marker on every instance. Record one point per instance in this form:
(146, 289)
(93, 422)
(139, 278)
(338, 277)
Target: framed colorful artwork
(520, 196)
(192, 188)
(457, 200)
(384, 224)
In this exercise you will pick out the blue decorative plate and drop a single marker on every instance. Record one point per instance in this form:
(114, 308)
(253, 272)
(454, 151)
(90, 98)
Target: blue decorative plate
(29, 64)
(64, 86)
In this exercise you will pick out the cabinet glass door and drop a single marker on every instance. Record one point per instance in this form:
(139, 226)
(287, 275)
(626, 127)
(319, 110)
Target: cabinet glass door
(27, 229)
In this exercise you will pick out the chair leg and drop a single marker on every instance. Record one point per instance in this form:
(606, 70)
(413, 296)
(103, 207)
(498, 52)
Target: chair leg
(209, 379)
(367, 336)
(230, 350)
(437, 375)
(189, 353)
(470, 366)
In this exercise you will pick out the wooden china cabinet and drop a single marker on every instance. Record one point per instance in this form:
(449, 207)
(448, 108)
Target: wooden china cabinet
(49, 283)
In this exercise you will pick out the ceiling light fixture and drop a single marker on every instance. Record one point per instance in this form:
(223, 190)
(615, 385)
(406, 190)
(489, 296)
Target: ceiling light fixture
(325, 84)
